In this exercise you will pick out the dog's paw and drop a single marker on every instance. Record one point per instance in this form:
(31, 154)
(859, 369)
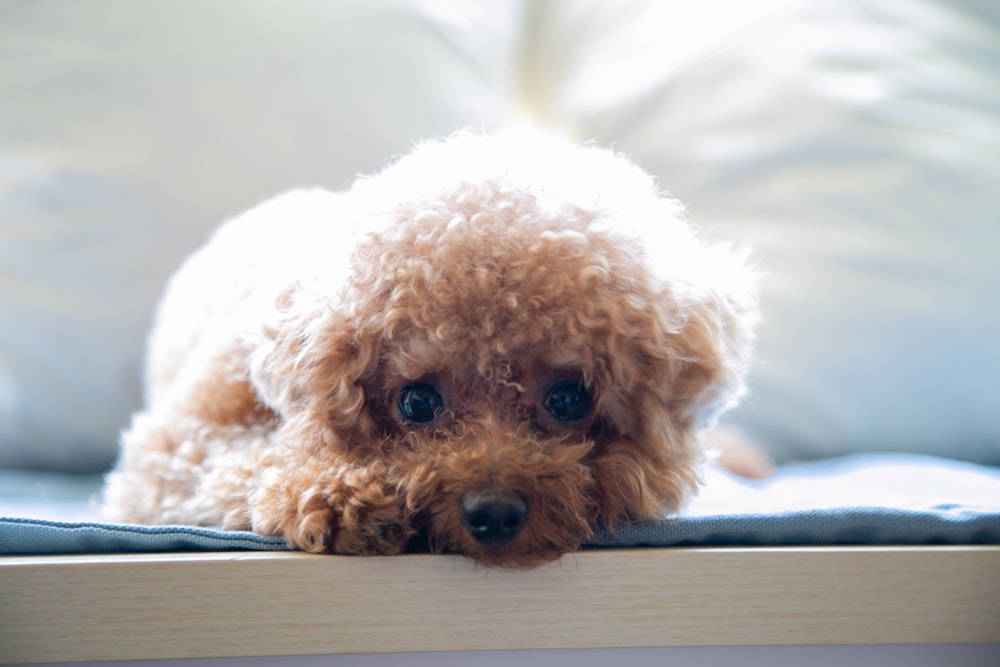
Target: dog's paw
(349, 514)
(313, 531)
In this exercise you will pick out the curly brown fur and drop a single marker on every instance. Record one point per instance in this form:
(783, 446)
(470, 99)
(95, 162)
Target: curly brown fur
(523, 282)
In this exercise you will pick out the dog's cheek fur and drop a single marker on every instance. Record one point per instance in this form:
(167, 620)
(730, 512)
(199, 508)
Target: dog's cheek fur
(639, 483)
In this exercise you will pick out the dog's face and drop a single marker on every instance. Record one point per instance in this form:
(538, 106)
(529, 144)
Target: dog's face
(518, 372)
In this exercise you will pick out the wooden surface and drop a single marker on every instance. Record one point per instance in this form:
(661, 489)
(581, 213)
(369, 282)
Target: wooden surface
(118, 607)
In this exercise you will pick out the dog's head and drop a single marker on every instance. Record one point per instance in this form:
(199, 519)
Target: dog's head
(518, 360)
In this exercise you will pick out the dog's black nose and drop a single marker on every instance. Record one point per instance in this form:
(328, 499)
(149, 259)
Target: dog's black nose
(494, 517)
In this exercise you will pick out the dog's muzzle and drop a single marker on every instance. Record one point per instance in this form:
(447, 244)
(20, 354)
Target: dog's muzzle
(494, 518)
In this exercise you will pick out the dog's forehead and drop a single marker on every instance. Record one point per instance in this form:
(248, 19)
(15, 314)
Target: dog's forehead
(498, 335)
(487, 278)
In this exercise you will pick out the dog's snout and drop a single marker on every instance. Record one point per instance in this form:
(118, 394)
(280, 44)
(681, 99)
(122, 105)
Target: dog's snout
(494, 517)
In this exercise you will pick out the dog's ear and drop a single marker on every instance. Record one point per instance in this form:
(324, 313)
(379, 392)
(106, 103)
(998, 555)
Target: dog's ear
(686, 348)
(308, 365)
(711, 340)
(681, 366)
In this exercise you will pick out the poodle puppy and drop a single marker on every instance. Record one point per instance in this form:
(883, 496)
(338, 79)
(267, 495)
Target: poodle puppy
(490, 348)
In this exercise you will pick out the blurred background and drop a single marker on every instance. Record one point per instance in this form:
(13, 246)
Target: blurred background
(854, 145)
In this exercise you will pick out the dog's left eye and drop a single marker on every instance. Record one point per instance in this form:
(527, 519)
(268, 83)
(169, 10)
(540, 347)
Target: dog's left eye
(568, 401)
(420, 402)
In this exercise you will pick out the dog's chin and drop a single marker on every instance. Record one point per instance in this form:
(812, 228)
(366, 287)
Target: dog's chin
(533, 547)
(508, 556)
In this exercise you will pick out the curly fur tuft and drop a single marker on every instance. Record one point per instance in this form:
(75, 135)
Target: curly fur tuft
(490, 269)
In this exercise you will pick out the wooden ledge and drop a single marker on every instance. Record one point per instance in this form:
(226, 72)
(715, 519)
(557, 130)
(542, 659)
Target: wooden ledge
(187, 605)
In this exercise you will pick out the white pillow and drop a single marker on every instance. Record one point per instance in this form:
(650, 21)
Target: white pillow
(852, 144)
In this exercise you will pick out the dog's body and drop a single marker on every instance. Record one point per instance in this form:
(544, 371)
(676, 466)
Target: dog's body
(499, 343)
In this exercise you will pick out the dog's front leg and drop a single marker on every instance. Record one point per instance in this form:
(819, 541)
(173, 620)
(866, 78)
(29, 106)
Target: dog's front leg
(345, 509)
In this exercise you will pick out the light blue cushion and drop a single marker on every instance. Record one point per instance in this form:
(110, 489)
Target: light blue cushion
(39, 536)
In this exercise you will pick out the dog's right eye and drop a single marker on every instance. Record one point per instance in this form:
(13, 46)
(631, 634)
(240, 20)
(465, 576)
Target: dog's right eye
(420, 402)
(568, 401)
